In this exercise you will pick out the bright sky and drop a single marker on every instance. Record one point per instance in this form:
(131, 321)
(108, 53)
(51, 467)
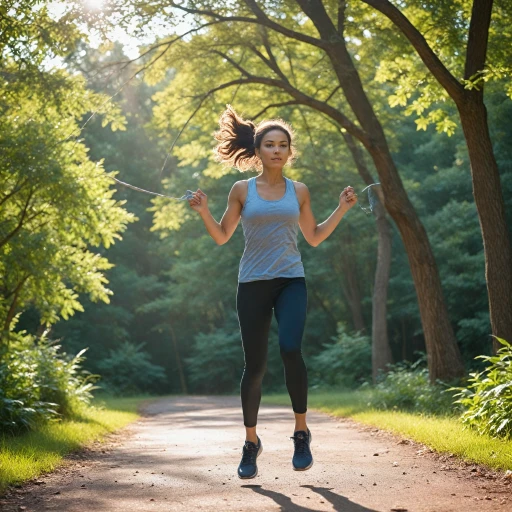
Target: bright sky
(130, 43)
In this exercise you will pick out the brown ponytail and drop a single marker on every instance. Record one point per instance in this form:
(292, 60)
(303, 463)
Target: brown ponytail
(238, 139)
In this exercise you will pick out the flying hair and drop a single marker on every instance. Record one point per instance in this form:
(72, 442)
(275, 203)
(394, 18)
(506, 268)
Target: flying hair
(238, 139)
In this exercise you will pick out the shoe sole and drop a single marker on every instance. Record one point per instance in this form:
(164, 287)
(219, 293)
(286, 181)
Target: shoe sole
(255, 474)
(302, 469)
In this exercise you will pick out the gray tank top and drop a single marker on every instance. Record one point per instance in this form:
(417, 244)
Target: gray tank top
(270, 232)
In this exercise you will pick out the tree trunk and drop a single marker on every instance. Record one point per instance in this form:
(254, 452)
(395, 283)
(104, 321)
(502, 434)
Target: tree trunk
(490, 205)
(443, 355)
(381, 351)
(352, 292)
(178, 361)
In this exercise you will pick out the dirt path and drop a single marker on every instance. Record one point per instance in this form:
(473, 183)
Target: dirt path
(184, 454)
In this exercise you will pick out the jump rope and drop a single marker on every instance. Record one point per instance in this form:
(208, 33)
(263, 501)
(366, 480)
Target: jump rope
(189, 194)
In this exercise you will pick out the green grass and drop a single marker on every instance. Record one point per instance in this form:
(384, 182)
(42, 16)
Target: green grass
(33, 453)
(441, 433)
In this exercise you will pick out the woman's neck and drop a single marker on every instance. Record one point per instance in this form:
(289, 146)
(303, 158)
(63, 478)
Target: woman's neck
(271, 177)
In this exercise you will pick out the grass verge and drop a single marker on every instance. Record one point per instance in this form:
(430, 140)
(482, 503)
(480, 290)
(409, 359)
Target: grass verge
(33, 453)
(441, 433)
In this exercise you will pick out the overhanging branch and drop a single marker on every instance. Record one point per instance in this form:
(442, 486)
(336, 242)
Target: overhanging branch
(260, 19)
(427, 55)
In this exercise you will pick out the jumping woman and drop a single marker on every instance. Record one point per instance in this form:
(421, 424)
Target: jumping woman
(271, 275)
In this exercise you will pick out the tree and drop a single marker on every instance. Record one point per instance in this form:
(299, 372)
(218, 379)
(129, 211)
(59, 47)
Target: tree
(468, 24)
(55, 202)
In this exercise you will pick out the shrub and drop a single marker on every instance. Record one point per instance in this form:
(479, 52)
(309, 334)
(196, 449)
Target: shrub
(39, 383)
(406, 386)
(128, 370)
(217, 361)
(488, 399)
(344, 363)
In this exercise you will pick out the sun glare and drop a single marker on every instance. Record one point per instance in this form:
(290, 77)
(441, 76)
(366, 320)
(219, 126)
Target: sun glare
(95, 5)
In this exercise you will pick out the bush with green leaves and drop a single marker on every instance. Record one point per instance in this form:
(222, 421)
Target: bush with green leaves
(39, 383)
(406, 387)
(129, 370)
(487, 400)
(345, 363)
(217, 360)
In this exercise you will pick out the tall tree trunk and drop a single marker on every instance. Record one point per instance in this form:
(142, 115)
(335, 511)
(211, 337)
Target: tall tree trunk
(443, 354)
(381, 351)
(352, 290)
(183, 381)
(491, 214)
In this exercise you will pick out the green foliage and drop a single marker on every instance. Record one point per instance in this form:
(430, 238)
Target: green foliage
(29, 34)
(487, 400)
(345, 363)
(406, 387)
(129, 370)
(56, 203)
(216, 362)
(38, 383)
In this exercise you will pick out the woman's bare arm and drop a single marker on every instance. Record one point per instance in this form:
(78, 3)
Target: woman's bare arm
(316, 233)
(221, 231)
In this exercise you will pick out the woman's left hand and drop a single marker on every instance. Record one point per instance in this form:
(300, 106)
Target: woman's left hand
(348, 198)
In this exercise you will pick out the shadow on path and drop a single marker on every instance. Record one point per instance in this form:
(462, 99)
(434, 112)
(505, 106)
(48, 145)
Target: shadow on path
(340, 503)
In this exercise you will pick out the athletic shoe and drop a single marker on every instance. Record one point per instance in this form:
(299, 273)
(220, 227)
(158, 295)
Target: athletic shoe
(250, 452)
(302, 458)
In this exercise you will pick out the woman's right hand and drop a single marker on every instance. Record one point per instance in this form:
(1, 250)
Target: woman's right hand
(199, 202)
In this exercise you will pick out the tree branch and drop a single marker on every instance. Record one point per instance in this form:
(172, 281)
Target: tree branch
(274, 105)
(301, 98)
(20, 222)
(12, 309)
(337, 88)
(260, 19)
(427, 55)
(13, 191)
(342, 5)
(478, 37)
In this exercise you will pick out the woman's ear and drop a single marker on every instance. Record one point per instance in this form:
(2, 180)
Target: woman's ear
(257, 152)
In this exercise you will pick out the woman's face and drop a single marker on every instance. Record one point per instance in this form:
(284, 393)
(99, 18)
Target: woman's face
(274, 150)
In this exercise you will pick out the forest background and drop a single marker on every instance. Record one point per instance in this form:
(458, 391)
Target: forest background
(138, 282)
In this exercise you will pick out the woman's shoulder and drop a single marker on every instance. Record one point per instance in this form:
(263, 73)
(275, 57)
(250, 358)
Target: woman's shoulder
(300, 187)
(241, 185)
(239, 190)
(298, 184)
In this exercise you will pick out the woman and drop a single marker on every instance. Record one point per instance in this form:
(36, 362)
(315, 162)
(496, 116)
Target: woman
(271, 274)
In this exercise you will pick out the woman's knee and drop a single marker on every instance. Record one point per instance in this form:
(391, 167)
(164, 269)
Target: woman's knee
(255, 372)
(293, 356)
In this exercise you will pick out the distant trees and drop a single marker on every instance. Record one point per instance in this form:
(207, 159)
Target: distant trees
(306, 60)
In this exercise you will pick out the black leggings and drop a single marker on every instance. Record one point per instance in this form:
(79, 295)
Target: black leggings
(254, 302)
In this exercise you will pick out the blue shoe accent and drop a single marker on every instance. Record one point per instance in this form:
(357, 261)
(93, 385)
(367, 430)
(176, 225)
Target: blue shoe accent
(247, 467)
(302, 458)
